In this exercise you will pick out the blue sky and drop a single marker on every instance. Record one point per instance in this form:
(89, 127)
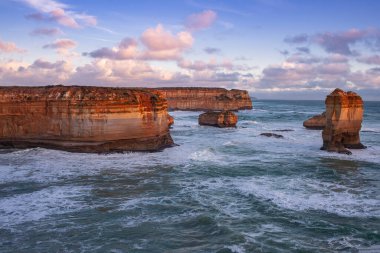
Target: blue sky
(281, 49)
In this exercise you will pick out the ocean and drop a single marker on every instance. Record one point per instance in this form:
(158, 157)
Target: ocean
(219, 190)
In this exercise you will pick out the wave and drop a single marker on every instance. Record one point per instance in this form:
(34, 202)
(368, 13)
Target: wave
(41, 204)
(303, 194)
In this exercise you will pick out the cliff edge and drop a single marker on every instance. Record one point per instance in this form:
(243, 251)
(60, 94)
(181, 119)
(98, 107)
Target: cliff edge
(83, 119)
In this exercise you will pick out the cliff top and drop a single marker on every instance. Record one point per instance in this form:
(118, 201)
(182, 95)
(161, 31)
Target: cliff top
(197, 88)
(81, 93)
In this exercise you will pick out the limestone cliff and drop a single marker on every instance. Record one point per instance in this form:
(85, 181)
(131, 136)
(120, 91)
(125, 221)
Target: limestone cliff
(344, 115)
(205, 99)
(83, 119)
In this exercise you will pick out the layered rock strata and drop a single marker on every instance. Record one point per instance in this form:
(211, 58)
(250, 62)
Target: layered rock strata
(206, 99)
(344, 115)
(83, 119)
(218, 119)
(317, 122)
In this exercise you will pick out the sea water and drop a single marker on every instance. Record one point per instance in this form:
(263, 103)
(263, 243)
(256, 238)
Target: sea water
(220, 190)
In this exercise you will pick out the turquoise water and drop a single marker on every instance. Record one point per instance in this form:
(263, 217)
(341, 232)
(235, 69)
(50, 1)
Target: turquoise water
(220, 190)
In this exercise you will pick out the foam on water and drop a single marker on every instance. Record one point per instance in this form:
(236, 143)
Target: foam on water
(40, 204)
(303, 194)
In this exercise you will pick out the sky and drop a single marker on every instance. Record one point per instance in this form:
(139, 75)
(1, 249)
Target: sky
(275, 49)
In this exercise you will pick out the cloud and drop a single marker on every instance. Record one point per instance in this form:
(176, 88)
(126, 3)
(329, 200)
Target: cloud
(127, 49)
(212, 50)
(158, 39)
(40, 72)
(46, 32)
(50, 10)
(305, 50)
(156, 44)
(200, 21)
(341, 42)
(61, 44)
(41, 64)
(372, 60)
(298, 39)
(10, 47)
(202, 65)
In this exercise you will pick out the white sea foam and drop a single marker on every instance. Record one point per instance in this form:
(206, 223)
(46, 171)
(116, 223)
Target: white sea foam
(207, 154)
(302, 194)
(40, 204)
(236, 248)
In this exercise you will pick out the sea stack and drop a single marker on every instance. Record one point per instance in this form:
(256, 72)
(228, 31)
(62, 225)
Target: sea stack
(218, 119)
(344, 115)
(206, 99)
(83, 119)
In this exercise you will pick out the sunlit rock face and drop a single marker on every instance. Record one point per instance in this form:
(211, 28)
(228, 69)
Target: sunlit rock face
(317, 122)
(344, 115)
(218, 119)
(83, 119)
(205, 99)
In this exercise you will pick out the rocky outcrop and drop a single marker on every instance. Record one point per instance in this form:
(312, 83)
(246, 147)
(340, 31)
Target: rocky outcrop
(218, 119)
(206, 99)
(170, 120)
(272, 135)
(344, 114)
(83, 119)
(317, 122)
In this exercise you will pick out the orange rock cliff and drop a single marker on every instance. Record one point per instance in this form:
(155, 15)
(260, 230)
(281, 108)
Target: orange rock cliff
(83, 119)
(205, 99)
(344, 115)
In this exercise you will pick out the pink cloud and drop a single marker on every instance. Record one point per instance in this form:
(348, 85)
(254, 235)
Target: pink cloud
(158, 39)
(50, 10)
(200, 21)
(159, 44)
(61, 44)
(46, 32)
(373, 60)
(10, 47)
(163, 45)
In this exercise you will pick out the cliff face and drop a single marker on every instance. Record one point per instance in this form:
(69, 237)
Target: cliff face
(83, 119)
(204, 99)
(344, 115)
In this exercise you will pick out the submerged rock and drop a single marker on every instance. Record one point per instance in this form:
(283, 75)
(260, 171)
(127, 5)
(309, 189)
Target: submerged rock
(272, 135)
(83, 119)
(317, 122)
(218, 119)
(344, 115)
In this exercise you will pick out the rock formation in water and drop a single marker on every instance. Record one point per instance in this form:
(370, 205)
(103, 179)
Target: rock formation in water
(206, 99)
(344, 115)
(218, 119)
(83, 119)
(272, 135)
(317, 122)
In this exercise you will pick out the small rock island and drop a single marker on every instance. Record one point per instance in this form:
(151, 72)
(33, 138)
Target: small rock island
(84, 119)
(218, 119)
